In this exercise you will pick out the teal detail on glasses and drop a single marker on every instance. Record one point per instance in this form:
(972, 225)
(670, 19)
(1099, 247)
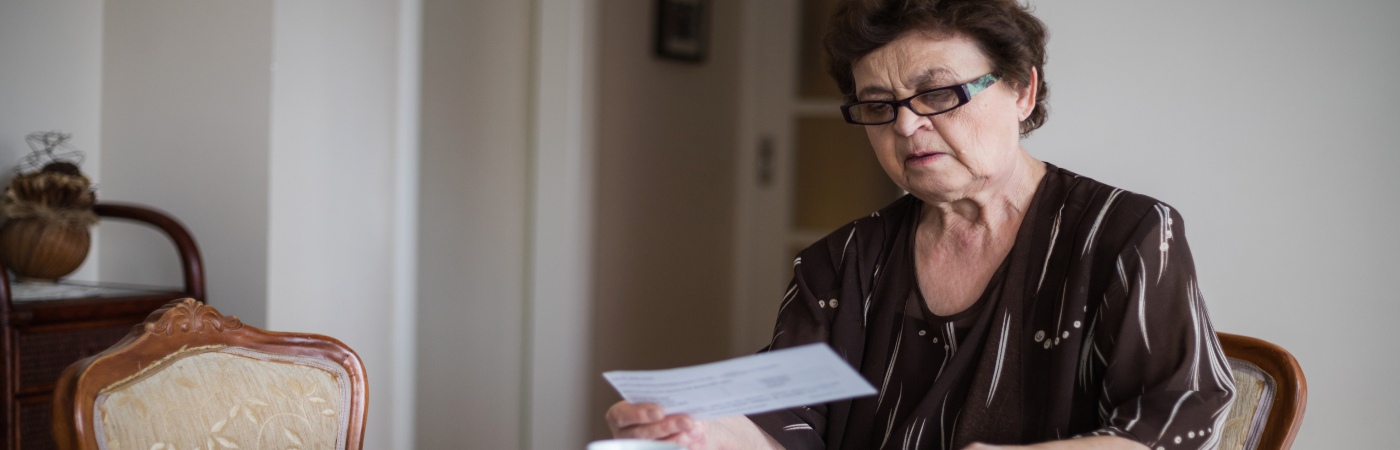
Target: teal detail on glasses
(980, 84)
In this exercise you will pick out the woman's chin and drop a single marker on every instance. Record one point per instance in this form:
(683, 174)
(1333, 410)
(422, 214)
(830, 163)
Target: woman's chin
(935, 192)
(934, 180)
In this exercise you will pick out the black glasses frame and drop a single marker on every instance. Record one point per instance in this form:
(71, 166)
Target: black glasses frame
(963, 91)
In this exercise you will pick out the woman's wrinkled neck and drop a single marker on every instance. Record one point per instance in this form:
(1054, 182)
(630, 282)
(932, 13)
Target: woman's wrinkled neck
(994, 207)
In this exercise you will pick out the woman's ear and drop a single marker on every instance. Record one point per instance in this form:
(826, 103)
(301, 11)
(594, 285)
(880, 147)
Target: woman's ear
(1026, 95)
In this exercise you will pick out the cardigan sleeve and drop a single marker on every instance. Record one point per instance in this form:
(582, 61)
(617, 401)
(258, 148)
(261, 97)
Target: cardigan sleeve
(1166, 382)
(801, 320)
(823, 305)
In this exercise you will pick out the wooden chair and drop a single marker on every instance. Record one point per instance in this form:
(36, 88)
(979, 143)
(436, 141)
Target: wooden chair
(1270, 395)
(189, 377)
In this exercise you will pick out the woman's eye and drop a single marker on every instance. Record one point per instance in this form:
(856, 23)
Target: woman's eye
(937, 100)
(874, 109)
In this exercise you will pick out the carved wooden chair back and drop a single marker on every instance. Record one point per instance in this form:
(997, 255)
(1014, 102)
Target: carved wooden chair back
(190, 377)
(1271, 395)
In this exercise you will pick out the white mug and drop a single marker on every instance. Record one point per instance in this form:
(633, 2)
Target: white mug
(632, 444)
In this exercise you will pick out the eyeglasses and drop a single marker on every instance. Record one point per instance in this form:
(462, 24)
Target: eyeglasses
(927, 103)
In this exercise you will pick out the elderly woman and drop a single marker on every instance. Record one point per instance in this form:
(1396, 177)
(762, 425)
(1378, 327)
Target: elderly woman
(1004, 301)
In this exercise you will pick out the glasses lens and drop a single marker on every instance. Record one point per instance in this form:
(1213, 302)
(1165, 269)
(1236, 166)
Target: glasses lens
(869, 113)
(934, 102)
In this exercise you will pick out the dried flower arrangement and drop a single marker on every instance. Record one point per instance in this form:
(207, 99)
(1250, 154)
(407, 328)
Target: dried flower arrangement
(47, 210)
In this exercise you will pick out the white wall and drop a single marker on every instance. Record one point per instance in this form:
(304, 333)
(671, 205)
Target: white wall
(334, 182)
(274, 131)
(474, 218)
(564, 127)
(185, 101)
(51, 61)
(1271, 127)
(507, 142)
(505, 193)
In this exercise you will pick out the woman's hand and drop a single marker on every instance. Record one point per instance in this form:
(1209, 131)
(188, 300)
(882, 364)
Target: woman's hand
(646, 421)
(649, 421)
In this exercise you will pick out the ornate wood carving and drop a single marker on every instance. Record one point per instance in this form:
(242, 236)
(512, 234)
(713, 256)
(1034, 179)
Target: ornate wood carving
(191, 316)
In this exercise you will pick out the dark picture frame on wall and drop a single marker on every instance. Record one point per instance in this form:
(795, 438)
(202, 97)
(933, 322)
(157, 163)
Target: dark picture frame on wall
(682, 29)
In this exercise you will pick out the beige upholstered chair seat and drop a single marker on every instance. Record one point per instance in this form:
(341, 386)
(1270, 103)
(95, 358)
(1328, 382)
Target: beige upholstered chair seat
(190, 378)
(216, 398)
(1254, 394)
(1271, 395)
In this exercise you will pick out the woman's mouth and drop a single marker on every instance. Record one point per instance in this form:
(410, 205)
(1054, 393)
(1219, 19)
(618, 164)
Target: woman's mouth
(922, 157)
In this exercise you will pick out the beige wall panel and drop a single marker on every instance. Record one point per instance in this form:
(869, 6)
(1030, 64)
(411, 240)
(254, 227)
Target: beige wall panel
(473, 224)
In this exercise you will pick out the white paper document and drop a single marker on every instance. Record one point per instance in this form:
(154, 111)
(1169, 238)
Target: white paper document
(806, 375)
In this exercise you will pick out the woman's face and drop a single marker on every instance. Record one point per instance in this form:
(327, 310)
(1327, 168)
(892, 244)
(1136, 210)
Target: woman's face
(956, 154)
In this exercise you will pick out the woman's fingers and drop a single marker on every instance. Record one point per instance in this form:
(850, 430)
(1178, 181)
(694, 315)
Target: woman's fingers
(666, 428)
(693, 439)
(646, 421)
(622, 415)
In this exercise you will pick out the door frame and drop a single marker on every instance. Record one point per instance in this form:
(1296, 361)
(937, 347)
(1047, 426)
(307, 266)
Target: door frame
(767, 89)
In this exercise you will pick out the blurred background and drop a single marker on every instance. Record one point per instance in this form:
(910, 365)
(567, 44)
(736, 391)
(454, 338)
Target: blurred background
(495, 201)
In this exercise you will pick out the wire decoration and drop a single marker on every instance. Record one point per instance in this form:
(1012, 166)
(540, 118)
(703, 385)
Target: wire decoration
(49, 147)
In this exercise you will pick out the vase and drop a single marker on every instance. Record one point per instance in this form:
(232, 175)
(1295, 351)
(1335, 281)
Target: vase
(42, 249)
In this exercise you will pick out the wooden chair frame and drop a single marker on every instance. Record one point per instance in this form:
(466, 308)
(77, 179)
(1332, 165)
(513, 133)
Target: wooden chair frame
(1290, 399)
(187, 323)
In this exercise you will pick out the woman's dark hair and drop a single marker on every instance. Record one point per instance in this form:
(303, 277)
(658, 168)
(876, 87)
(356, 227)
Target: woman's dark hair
(1006, 32)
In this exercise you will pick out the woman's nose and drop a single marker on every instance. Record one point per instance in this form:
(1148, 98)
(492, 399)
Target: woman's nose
(906, 122)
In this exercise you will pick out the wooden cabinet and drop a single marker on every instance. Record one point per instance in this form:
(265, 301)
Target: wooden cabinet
(48, 326)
